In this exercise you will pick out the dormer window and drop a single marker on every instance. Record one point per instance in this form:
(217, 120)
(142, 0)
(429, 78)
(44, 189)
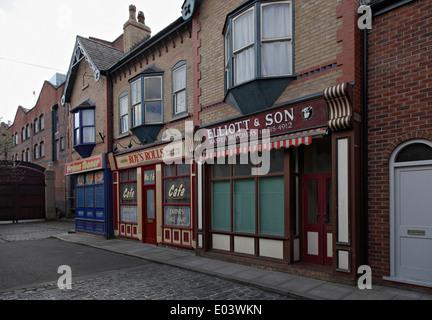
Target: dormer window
(258, 54)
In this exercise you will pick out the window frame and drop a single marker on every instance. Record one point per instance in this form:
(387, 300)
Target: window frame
(232, 178)
(81, 126)
(122, 129)
(259, 41)
(141, 102)
(175, 92)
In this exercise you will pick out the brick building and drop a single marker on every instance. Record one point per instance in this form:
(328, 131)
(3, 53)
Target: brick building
(88, 98)
(40, 135)
(291, 68)
(399, 142)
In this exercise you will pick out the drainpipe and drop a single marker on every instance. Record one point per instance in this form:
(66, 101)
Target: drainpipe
(365, 147)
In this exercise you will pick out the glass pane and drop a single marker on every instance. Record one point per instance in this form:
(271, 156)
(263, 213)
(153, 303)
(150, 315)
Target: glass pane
(277, 161)
(76, 120)
(221, 171)
(100, 196)
(180, 79)
(137, 115)
(276, 21)
(149, 177)
(89, 135)
(180, 102)
(221, 213)
(415, 152)
(133, 175)
(244, 30)
(123, 106)
(88, 117)
(312, 201)
(271, 206)
(169, 171)
(242, 169)
(276, 58)
(128, 193)
(183, 169)
(89, 197)
(177, 190)
(244, 205)
(80, 197)
(245, 66)
(125, 124)
(124, 176)
(77, 137)
(153, 89)
(136, 92)
(153, 112)
(150, 204)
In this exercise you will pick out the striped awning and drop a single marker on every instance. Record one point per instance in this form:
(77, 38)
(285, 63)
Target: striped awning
(287, 141)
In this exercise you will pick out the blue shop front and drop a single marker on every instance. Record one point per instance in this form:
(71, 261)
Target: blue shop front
(93, 195)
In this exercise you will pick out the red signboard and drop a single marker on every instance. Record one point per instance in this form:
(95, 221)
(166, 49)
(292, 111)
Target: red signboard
(286, 120)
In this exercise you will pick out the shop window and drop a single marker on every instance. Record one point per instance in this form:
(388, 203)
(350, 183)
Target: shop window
(258, 54)
(128, 197)
(177, 196)
(90, 201)
(258, 203)
(179, 89)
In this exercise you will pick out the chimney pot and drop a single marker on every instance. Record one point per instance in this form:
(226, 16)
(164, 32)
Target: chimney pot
(141, 18)
(132, 12)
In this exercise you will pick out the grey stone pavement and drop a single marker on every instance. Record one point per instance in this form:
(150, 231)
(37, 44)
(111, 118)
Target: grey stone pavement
(273, 283)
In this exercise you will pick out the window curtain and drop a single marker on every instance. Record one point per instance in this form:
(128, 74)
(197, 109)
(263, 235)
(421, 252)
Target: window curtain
(243, 47)
(276, 37)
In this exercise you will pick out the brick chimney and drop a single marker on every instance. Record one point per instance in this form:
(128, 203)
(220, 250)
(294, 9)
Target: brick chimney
(134, 31)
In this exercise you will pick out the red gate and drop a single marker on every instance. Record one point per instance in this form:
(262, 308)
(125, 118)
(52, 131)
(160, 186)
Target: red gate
(22, 191)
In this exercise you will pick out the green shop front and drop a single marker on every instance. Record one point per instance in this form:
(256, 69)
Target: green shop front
(93, 195)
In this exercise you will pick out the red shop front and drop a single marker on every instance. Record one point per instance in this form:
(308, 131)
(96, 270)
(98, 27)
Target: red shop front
(153, 191)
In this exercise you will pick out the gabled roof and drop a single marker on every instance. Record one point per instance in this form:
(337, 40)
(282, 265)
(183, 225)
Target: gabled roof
(99, 57)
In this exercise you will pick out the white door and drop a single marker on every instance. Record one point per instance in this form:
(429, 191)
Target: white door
(413, 223)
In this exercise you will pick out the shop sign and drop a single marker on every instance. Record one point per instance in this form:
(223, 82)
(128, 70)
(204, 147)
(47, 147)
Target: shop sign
(128, 193)
(283, 121)
(129, 214)
(177, 216)
(171, 151)
(90, 164)
(177, 190)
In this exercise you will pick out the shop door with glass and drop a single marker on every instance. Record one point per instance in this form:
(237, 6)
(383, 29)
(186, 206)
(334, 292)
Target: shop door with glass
(318, 233)
(149, 208)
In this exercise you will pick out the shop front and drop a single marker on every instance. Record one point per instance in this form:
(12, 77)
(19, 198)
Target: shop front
(93, 189)
(296, 205)
(152, 196)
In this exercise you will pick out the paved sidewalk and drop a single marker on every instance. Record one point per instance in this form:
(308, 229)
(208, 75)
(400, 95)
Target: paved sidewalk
(279, 282)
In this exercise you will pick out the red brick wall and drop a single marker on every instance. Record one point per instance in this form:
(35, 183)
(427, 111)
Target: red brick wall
(400, 102)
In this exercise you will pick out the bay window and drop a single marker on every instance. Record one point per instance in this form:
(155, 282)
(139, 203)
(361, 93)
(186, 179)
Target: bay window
(258, 54)
(147, 103)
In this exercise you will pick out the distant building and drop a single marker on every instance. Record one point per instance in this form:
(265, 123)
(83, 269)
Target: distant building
(40, 135)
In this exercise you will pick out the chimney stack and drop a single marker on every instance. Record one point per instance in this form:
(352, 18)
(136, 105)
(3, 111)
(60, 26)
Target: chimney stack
(132, 12)
(134, 31)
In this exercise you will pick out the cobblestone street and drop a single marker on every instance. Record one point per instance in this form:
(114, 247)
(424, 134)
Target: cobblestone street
(146, 281)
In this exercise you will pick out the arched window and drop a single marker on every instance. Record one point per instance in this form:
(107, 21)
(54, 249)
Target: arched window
(414, 152)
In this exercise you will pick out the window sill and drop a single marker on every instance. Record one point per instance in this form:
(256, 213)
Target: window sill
(180, 117)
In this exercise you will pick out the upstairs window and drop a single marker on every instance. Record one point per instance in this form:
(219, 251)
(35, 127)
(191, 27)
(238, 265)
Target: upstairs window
(84, 127)
(258, 42)
(124, 113)
(147, 103)
(179, 89)
(258, 54)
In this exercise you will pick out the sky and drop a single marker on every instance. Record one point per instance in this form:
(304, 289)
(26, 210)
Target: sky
(37, 39)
